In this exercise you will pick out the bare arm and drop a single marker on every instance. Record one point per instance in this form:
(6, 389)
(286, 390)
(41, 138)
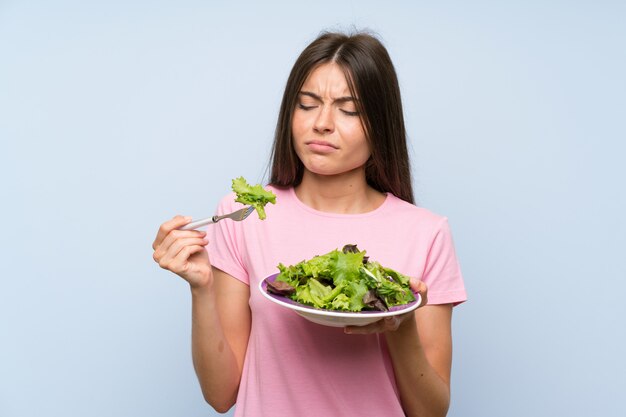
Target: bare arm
(220, 312)
(421, 353)
(220, 331)
(420, 346)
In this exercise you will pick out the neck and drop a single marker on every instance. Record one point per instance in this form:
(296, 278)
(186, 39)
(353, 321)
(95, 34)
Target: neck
(347, 193)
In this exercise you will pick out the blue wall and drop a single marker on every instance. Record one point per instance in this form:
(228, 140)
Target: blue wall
(114, 116)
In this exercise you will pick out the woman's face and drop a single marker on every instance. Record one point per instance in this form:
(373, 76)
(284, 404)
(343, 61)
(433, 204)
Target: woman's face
(327, 132)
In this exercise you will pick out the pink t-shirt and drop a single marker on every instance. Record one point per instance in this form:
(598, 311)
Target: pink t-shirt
(297, 368)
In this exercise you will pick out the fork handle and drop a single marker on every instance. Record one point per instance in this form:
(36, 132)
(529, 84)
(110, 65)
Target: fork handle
(199, 223)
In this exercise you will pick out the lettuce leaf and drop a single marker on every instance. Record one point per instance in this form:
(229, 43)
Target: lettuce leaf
(253, 195)
(340, 280)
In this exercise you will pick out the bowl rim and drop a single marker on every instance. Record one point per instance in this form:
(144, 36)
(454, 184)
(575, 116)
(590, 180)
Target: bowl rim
(294, 305)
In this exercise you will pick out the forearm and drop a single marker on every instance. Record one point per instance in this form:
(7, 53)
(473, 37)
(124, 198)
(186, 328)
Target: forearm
(423, 391)
(214, 360)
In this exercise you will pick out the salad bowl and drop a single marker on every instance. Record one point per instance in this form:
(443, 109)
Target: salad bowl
(334, 318)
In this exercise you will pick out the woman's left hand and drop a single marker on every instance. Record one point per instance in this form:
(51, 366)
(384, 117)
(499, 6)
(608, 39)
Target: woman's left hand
(390, 324)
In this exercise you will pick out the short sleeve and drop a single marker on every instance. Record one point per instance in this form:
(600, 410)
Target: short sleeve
(225, 245)
(442, 273)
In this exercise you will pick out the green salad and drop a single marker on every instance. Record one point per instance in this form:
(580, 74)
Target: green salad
(343, 280)
(253, 195)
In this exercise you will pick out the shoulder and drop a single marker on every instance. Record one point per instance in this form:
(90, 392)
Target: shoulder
(409, 211)
(283, 193)
(227, 202)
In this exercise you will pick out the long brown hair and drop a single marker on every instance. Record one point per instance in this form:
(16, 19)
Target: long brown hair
(372, 78)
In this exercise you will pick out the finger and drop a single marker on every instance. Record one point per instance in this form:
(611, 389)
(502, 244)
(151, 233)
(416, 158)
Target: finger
(180, 263)
(421, 288)
(414, 283)
(168, 226)
(180, 244)
(166, 251)
(386, 324)
(167, 257)
(175, 235)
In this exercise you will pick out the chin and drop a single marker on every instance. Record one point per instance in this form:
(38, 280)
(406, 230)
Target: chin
(323, 172)
(330, 171)
(326, 168)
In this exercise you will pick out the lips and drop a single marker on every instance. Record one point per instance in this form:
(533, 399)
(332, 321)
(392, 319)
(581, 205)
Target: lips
(321, 146)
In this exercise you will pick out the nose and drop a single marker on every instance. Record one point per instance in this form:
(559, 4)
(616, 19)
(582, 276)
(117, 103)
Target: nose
(324, 123)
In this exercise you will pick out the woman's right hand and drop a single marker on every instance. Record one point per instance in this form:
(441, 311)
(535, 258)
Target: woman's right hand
(183, 252)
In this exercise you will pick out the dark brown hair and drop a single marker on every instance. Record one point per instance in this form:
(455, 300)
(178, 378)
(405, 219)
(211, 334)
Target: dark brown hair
(372, 78)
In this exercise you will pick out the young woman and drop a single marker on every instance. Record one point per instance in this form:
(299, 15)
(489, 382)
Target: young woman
(340, 170)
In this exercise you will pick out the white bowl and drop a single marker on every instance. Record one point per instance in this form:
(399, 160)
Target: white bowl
(335, 318)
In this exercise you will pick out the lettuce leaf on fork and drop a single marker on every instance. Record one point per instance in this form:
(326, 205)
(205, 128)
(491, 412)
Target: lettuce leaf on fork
(253, 195)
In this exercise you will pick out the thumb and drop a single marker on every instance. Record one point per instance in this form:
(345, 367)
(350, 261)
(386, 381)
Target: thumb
(421, 288)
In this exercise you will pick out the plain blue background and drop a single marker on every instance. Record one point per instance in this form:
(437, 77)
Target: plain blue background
(115, 116)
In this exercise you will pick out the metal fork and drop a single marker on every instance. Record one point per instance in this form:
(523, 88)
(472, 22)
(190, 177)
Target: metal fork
(237, 216)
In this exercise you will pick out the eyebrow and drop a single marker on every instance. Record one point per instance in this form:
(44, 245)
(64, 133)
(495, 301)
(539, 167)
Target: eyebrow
(337, 100)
